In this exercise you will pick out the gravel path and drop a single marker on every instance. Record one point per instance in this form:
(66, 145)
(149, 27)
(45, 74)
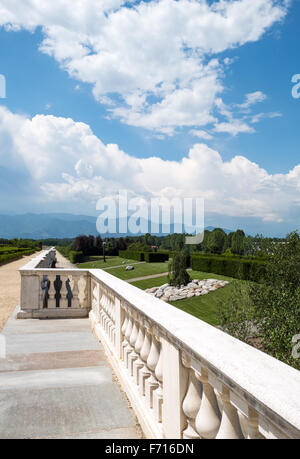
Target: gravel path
(10, 281)
(63, 263)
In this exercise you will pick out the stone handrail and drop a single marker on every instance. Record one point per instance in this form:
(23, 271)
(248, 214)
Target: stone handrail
(183, 377)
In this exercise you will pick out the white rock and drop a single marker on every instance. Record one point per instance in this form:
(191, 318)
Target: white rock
(195, 288)
(163, 287)
(152, 290)
(129, 268)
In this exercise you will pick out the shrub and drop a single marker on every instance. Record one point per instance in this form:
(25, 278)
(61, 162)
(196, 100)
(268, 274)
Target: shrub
(178, 274)
(156, 257)
(8, 257)
(76, 257)
(239, 268)
(187, 258)
(132, 255)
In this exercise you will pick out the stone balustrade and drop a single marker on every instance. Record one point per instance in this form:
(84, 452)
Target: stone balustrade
(183, 377)
(50, 293)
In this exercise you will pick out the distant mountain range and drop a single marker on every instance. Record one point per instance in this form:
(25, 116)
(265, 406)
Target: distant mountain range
(54, 225)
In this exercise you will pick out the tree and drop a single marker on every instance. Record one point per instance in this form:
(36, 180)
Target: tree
(98, 245)
(178, 274)
(216, 241)
(237, 242)
(271, 308)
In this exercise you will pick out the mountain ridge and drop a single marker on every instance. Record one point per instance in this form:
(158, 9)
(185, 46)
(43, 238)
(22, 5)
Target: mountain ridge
(52, 225)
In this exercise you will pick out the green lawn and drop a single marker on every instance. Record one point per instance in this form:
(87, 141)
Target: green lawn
(96, 262)
(140, 270)
(203, 307)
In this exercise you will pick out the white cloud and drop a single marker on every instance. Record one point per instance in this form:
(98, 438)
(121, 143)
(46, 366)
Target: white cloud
(234, 127)
(66, 163)
(257, 118)
(158, 59)
(201, 134)
(252, 99)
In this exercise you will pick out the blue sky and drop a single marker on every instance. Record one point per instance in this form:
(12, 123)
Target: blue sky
(218, 107)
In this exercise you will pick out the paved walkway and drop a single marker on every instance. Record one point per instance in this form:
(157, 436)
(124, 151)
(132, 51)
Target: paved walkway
(55, 381)
(152, 276)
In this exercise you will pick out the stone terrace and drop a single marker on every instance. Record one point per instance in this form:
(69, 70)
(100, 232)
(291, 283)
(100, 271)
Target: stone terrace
(183, 377)
(55, 382)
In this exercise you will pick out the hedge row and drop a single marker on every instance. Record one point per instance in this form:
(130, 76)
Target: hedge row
(246, 269)
(75, 257)
(156, 257)
(149, 257)
(10, 249)
(132, 255)
(8, 257)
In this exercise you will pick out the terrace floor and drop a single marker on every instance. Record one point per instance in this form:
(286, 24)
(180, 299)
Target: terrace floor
(55, 382)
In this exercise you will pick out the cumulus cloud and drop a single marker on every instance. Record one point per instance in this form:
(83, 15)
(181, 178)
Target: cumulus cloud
(65, 162)
(154, 64)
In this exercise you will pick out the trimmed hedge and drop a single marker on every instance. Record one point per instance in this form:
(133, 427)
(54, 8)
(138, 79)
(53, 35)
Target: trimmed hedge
(132, 255)
(75, 257)
(246, 269)
(156, 257)
(8, 257)
(149, 257)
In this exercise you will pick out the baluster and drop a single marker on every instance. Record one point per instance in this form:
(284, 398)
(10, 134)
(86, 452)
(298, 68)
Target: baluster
(106, 318)
(82, 284)
(144, 372)
(253, 425)
(208, 418)
(123, 330)
(44, 291)
(75, 293)
(103, 304)
(152, 361)
(95, 301)
(64, 294)
(41, 292)
(133, 338)
(128, 347)
(111, 314)
(52, 292)
(138, 363)
(191, 403)
(230, 426)
(102, 313)
(158, 393)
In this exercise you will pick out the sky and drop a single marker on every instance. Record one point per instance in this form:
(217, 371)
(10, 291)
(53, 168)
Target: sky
(164, 98)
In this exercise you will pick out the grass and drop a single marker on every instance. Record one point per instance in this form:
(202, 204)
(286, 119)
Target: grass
(140, 270)
(203, 307)
(96, 262)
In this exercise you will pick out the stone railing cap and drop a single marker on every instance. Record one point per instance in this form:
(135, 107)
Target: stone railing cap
(272, 383)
